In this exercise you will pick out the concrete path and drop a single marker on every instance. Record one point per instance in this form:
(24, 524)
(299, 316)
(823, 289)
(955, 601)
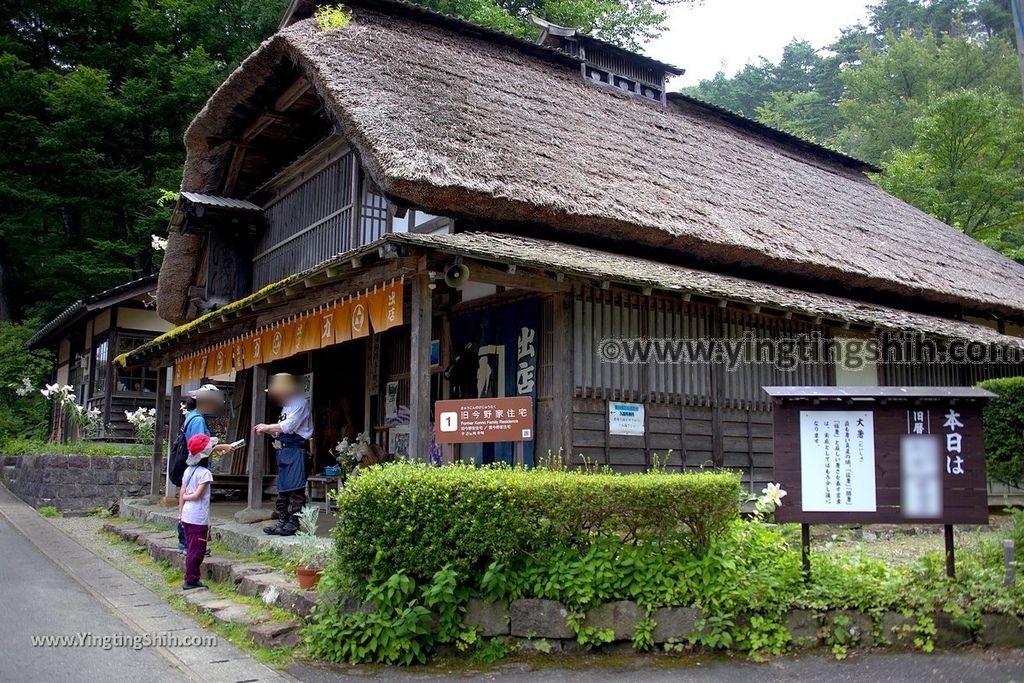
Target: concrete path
(977, 666)
(50, 585)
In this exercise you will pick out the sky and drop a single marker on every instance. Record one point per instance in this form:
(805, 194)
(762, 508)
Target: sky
(724, 35)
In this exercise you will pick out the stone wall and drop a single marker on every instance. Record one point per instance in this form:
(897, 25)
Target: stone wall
(75, 482)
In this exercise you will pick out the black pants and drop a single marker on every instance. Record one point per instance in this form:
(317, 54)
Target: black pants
(288, 506)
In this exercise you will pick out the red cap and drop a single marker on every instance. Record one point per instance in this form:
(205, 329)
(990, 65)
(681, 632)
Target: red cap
(198, 443)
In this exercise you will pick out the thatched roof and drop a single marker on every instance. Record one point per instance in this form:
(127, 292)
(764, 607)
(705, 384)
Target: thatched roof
(593, 266)
(462, 121)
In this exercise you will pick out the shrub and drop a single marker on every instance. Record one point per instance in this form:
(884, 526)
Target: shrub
(419, 519)
(1003, 418)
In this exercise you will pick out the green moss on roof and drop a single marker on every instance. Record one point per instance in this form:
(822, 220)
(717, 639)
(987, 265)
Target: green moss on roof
(182, 330)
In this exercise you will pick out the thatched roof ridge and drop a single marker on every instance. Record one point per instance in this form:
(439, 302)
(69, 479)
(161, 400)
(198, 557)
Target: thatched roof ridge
(460, 124)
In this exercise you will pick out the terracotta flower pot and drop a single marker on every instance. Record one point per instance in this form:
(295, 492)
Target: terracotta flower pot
(308, 578)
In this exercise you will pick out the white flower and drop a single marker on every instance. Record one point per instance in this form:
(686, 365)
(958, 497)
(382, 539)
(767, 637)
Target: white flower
(158, 243)
(773, 493)
(25, 388)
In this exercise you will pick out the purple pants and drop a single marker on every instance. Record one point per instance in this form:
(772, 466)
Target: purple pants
(195, 549)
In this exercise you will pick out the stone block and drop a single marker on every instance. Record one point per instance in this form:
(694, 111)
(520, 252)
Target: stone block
(949, 634)
(238, 613)
(803, 628)
(97, 462)
(78, 461)
(217, 568)
(619, 617)
(303, 602)
(858, 626)
(257, 585)
(897, 630)
(272, 635)
(675, 623)
(243, 569)
(1002, 630)
(535, 618)
(250, 516)
(492, 618)
(206, 601)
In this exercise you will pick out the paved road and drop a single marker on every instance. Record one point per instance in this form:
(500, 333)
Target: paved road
(976, 666)
(38, 598)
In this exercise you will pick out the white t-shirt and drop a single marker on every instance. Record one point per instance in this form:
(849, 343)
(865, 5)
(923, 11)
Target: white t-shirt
(196, 511)
(296, 417)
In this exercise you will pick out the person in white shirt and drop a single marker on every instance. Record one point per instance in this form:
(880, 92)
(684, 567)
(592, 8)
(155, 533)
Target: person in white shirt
(291, 435)
(194, 506)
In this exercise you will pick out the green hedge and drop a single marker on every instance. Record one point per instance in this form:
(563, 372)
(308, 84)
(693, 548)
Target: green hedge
(1004, 429)
(418, 518)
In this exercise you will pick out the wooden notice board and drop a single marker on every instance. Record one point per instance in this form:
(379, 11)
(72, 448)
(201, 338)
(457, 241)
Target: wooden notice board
(484, 420)
(887, 455)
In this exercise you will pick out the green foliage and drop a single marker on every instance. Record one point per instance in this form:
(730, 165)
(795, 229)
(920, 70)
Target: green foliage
(418, 519)
(330, 18)
(401, 630)
(1003, 418)
(44, 447)
(23, 411)
(966, 167)
(48, 511)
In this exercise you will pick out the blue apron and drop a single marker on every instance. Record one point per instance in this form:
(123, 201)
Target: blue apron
(291, 462)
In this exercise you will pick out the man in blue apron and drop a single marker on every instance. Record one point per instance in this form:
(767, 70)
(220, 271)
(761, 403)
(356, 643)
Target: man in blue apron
(291, 435)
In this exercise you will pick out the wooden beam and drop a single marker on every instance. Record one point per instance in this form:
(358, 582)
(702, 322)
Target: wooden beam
(562, 369)
(291, 94)
(234, 169)
(173, 427)
(523, 280)
(260, 123)
(258, 443)
(155, 474)
(419, 368)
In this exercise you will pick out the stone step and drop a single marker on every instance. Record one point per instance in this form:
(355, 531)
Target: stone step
(276, 634)
(253, 579)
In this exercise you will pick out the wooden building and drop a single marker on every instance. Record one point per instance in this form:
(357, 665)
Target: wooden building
(339, 172)
(84, 340)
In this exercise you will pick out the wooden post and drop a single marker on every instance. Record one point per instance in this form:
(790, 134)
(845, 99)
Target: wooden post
(950, 560)
(805, 550)
(562, 370)
(155, 471)
(419, 368)
(173, 427)
(257, 442)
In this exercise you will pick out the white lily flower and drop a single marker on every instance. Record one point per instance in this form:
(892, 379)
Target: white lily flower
(774, 493)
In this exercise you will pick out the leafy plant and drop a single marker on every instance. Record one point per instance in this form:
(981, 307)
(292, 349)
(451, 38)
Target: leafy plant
(48, 511)
(331, 18)
(1003, 419)
(418, 519)
(312, 551)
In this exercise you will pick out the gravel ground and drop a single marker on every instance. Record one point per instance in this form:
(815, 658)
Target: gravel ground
(901, 544)
(86, 530)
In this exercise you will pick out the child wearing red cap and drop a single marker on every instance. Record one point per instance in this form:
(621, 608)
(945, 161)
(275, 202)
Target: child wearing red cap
(194, 506)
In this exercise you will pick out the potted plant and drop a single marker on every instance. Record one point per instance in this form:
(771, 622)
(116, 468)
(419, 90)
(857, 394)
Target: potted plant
(313, 553)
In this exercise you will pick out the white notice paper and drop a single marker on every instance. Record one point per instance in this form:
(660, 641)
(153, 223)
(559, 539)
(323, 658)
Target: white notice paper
(837, 461)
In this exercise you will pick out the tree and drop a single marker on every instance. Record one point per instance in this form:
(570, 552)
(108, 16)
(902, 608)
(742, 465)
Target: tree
(891, 88)
(966, 167)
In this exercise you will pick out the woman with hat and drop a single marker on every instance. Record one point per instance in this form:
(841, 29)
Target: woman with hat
(291, 435)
